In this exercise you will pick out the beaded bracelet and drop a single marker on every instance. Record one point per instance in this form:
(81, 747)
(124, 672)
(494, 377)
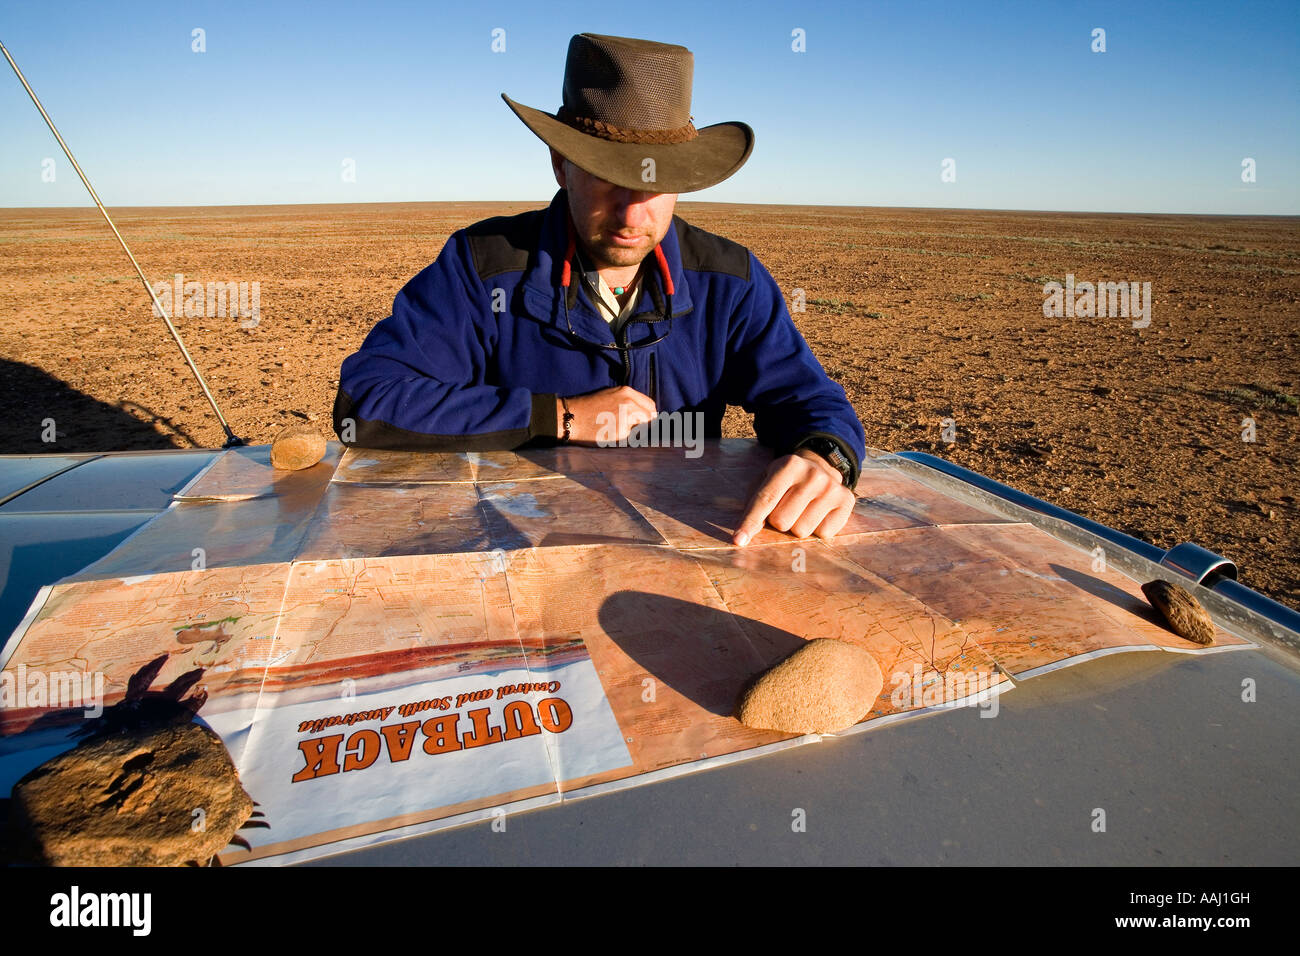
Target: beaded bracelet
(568, 420)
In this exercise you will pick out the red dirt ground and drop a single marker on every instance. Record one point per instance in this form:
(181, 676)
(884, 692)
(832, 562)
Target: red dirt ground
(920, 314)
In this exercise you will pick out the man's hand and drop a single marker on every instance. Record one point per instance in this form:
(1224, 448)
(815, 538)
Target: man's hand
(801, 493)
(607, 415)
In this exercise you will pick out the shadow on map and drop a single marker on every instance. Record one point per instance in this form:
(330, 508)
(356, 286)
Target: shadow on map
(1108, 592)
(707, 655)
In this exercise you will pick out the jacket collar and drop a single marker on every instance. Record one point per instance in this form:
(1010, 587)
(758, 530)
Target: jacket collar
(542, 278)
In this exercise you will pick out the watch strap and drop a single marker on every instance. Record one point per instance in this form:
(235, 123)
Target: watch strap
(836, 454)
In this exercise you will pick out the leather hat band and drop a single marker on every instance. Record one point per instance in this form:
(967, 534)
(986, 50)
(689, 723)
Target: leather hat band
(620, 134)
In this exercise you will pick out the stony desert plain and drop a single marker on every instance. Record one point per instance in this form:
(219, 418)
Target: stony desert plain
(932, 320)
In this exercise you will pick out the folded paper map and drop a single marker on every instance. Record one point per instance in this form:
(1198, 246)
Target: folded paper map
(399, 642)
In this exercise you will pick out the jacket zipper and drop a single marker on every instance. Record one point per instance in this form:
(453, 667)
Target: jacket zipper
(654, 388)
(620, 337)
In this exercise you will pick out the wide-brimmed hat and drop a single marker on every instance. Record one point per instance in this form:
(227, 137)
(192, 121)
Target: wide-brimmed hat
(627, 101)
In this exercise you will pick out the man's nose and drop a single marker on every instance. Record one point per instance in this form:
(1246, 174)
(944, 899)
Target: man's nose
(631, 204)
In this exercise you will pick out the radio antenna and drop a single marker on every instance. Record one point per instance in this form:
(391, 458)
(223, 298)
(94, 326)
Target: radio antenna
(231, 439)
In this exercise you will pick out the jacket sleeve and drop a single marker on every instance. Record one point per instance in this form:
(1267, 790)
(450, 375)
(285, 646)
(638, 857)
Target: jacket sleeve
(773, 374)
(419, 380)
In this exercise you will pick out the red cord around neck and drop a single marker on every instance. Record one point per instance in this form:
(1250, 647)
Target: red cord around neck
(571, 246)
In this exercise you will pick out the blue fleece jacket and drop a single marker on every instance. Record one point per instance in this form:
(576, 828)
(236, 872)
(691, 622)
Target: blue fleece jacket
(479, 345)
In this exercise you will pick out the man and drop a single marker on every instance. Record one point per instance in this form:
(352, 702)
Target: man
(493, 347)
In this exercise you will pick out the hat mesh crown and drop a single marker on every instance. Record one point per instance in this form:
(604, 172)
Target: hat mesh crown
(633, 84)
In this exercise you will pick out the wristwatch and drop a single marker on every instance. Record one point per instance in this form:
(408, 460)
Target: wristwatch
(832, 453)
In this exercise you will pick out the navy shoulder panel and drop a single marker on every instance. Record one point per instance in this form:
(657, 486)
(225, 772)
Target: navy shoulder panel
(705, 252)
(504, 243)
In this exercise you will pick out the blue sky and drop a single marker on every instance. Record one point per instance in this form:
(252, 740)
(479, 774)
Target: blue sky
(1034, 119)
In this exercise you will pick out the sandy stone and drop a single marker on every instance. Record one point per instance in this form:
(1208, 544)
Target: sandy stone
(129, 800)
(297, 447)
(1183, 612)
(823, 688)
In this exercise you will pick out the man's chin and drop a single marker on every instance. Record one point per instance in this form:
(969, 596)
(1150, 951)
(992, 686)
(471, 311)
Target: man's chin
(623, 255)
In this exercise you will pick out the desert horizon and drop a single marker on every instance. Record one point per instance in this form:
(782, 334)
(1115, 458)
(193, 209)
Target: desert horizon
(172, 207)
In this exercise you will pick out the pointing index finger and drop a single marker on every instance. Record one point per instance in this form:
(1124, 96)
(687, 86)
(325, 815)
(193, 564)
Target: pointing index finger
(760, 506)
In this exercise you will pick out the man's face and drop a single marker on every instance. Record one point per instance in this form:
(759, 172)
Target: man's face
(604, 213)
